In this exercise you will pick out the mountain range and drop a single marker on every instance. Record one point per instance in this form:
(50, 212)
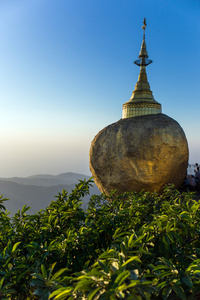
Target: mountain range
(38, 191)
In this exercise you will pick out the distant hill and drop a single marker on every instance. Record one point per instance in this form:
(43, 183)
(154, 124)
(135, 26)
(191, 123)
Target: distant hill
(38, 191)
(48, 180)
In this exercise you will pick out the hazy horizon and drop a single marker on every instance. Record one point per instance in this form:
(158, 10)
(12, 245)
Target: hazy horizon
(43, 174)
(66, 68)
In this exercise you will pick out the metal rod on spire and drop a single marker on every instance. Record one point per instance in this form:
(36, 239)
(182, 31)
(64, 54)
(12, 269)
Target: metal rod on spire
(144, 27)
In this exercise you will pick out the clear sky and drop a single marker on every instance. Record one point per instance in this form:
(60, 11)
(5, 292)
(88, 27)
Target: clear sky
(66, 68)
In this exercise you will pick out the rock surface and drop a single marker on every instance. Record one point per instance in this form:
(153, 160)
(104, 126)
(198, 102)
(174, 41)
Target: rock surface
(144, 152)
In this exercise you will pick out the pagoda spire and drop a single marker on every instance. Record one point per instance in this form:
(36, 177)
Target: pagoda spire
(143, 52)
(142, 101)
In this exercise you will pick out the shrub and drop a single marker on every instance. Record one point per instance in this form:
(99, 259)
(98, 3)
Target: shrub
(133, 246)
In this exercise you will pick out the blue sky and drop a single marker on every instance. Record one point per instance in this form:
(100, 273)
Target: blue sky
(66, 68)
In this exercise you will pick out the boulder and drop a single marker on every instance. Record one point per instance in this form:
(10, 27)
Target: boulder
(144, 152)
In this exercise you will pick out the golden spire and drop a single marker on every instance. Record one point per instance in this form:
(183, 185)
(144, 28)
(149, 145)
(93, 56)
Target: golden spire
(143, 52)
(142, 101)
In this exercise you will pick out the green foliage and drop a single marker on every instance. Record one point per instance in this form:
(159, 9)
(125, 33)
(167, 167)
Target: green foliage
(133, 246)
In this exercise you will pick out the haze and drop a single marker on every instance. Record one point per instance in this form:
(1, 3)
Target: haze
(66, 68)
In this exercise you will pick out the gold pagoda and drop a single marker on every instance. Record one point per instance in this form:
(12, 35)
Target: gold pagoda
(142, 101)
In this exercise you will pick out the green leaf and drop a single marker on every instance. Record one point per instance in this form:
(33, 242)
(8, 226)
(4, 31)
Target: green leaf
(126, 239)
(108, 254)
(38, 292)
(93, 293)
(103, 266)
(57, 274)
(61, 293)
(44, 272)
(161, 267)
(24, 209)
(84, 285)
(188, 281)
(133, 258)
(115, 235)
(39, 276)
(133, 283)
(179, 291)
(166, 291)
(36, 282)
(137, 240)
(134, 274)
(1, 282)
(51, 270)
(120, 294)
(22, 274)
(45, 296)
(122, 277)
(15, 246)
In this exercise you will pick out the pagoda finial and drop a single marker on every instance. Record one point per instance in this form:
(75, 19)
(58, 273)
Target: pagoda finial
(143, 55)
(144, 27)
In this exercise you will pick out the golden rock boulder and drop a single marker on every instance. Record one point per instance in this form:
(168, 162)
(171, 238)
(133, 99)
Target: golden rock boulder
(144, 152)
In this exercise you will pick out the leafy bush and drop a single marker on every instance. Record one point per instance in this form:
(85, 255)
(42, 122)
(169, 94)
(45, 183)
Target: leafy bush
(133, 246)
